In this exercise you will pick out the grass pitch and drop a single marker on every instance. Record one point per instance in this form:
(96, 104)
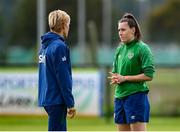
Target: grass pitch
(39, 123)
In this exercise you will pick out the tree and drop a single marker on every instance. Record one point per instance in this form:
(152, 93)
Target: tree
(163, 22)
(70, 6)
(22, 31)
(94, 13)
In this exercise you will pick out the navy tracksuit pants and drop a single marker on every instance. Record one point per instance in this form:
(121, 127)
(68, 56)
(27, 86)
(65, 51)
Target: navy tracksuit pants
(56, 117)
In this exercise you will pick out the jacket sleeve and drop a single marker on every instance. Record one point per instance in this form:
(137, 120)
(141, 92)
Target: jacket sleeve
(147, 61)
(63, 74)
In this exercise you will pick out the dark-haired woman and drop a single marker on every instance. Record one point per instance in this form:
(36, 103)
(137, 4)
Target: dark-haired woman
(133, 66)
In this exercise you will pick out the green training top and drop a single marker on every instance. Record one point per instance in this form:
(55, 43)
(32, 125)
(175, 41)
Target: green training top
(132, 58)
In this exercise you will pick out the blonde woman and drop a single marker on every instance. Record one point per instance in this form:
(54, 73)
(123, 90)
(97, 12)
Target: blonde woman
(55, 79)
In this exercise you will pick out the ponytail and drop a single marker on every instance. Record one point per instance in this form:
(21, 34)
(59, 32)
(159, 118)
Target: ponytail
(132, 22)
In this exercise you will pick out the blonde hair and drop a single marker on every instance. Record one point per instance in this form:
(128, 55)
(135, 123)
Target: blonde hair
(58, 20)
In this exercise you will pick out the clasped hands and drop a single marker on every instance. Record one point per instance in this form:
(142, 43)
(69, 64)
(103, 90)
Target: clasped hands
(116, 78)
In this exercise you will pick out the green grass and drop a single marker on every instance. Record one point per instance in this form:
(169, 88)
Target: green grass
(39, 123)
(166, 78)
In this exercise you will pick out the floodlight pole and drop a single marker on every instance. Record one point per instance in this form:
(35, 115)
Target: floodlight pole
(41, 20)
(106, 23)
(81, 22)
(144, 9)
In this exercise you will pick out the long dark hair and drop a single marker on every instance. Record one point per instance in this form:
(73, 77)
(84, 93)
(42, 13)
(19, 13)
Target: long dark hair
(132, 22)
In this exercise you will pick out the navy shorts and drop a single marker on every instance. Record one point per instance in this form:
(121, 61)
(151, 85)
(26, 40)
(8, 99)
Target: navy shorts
(56, 117)
(131, 109)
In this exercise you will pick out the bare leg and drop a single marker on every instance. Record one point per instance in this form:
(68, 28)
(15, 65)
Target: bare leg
(138, 126)
(123, 127)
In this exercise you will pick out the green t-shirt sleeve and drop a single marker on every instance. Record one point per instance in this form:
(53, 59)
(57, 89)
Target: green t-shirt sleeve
(147, 61)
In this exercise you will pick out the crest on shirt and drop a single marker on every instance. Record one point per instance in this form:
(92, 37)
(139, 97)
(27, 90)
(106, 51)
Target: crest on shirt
(130, 55)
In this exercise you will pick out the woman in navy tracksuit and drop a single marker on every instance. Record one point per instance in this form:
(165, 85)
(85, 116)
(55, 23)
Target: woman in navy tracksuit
(55, 79)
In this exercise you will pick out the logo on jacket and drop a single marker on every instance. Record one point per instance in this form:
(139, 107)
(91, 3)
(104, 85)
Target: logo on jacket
(64, 58)
(133, 117)
(130, 55)
(42, 58)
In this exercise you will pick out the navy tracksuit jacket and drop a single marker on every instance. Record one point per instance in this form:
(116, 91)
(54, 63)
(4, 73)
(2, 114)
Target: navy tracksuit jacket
(55, 78)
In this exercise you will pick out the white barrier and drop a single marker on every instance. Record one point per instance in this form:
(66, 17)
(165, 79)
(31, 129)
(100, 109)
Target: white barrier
(18, 92)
